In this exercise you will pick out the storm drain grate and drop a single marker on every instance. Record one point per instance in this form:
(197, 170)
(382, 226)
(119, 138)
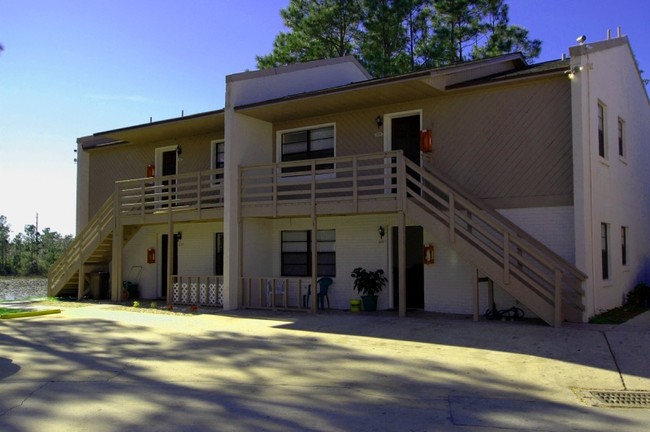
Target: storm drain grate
(616, 399)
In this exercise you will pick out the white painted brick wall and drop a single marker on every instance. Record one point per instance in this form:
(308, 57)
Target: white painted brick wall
(553, 226)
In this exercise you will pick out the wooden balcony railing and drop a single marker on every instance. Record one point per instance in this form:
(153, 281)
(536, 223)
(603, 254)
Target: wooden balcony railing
(155, 195)
(344, 183)
(275, 292)
(390, 182)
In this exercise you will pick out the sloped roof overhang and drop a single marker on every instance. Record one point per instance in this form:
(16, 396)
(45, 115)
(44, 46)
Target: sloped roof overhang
(383, 91)
(197, 124)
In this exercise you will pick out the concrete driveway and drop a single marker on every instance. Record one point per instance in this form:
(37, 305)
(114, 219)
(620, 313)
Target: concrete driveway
(100, 368)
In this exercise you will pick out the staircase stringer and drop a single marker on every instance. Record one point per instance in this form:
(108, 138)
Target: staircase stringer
(519, 263)
(82, 248)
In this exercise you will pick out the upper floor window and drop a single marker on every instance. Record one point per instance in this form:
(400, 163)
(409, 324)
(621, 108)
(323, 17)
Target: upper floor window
(621, 137)
(602, 144)
(305, 144)
(604, 246)
(218, 154)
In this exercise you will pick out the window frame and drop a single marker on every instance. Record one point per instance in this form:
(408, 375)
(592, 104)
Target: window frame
(219, 253)
(625, 237)
(280, 154)
(602, 130)
(622, 148)
(604, 251)
(326, 256)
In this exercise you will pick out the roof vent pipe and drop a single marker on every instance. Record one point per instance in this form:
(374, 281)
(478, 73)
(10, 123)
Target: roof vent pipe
(618, 31)
(609, 34)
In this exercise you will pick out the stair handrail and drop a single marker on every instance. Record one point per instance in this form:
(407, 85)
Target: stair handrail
(419, 178)
(82, 246)
(503, 220)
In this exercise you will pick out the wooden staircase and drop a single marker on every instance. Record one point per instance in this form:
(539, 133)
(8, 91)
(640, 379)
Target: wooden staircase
(92, 248)
(529, 271)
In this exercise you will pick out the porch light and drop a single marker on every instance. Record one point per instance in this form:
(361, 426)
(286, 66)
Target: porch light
(380, 122)
(573, 71)
(381, 231)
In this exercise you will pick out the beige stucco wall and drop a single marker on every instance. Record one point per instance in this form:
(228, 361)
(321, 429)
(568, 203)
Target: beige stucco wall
(129, 161)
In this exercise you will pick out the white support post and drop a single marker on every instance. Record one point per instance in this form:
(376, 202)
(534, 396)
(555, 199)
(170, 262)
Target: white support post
(557, 320)
(401, 252)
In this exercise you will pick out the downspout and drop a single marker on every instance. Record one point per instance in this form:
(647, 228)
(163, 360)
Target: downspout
(591, 185)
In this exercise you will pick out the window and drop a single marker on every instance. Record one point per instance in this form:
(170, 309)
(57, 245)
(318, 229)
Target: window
(305, 144)
(218, 157)
(602, 148)
(604, 228)
(621, 137)
(218, 254)
(296, 253)
(624, 245)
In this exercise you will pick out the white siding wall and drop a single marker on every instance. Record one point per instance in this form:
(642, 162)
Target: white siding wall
(195, 254)
(357, 245)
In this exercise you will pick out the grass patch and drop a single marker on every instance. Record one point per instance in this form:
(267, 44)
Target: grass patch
(617, 315)
(638, 301)
(4, 310)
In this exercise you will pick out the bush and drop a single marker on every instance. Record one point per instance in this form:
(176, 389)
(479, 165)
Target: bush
(639, 296)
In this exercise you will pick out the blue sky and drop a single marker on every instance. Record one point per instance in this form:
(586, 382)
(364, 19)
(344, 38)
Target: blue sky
(74, 67)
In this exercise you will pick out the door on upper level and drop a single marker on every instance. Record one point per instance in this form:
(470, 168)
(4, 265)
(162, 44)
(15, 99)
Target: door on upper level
(166, 165)
(403, 133)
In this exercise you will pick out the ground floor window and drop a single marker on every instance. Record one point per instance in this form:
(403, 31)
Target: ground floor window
(604, 243)
(296, 253)
(624, 245)
(218, 254)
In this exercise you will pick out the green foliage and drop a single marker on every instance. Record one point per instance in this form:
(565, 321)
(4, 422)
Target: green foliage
(392, 37)
(638, 301)
(639, 296)
(30, 253)
(136, 304)
(368, 282)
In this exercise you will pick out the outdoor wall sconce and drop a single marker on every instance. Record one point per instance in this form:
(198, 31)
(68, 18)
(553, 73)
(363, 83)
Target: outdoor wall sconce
(429, 254)
(179, 235)
(426, 141)
(571, 73)
(151, 256)
(151, 171)
(179, 150)
(381, 231)
(380, 122)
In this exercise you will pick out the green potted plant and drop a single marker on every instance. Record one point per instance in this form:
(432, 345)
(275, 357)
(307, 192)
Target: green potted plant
(369, 284)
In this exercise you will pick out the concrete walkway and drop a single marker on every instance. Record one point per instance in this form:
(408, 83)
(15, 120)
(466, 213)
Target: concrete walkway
(103, 369)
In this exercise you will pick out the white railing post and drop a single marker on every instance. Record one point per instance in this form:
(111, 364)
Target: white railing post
(355, 185)
(452, 217)
(558, 298)
(506, 257)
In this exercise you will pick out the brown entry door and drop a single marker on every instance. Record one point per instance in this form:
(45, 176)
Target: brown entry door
(405, 136)
(414, 267)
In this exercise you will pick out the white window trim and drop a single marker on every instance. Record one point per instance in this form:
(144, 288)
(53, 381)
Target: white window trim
(605, 154)
(158, 158)
(213, 152)
(622, 157)
(286, 178)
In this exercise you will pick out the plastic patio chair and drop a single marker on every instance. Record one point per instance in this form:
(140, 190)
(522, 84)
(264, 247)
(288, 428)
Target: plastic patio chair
(323, 287)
